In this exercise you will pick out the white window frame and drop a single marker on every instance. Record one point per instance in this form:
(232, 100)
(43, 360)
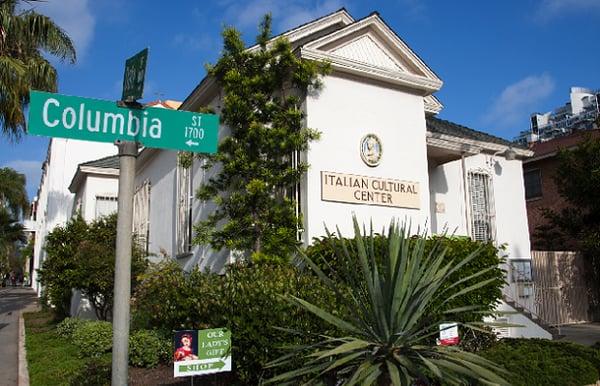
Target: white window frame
(481, 205)
(141, 215)
(184, 199)
(104, 197)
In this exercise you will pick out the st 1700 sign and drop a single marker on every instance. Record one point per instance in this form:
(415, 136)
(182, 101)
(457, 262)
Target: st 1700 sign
(63, 116)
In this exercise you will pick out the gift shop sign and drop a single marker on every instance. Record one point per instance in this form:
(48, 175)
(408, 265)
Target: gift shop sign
(365, 190)
(199, 352)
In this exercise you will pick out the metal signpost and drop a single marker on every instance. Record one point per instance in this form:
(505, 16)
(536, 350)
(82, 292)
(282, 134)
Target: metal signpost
(127, 124)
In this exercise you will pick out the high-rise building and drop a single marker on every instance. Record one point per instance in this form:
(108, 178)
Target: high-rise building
(580, 113)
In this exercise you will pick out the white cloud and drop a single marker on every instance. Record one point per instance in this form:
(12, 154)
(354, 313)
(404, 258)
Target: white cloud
(286, 14)
(75, 17)
(518, 100)
(550, 9)
(32, 171)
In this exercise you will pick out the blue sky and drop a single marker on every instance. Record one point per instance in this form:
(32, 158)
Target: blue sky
(499, 60)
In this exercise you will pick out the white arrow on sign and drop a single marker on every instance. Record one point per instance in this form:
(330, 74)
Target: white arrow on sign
(192, 143)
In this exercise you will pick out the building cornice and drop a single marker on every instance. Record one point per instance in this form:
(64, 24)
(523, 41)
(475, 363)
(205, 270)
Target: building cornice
(459, 144)
(354, 67)
(82, 171)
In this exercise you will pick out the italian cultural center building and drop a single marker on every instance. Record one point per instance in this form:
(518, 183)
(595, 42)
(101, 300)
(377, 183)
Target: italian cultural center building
(383, 154)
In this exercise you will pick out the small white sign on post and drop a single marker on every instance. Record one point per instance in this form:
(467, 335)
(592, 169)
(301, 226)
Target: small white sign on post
(449, 334)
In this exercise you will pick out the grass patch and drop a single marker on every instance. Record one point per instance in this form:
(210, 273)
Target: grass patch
(51, 359)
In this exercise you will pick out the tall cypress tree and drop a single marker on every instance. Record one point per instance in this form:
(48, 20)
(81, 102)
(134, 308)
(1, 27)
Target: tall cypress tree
(263, 92)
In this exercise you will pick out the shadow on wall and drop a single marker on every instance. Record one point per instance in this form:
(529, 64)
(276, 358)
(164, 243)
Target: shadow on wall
(59, 208)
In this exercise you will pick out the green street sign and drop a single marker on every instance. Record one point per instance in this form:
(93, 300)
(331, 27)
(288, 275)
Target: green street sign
(135, 72)
(55, 115)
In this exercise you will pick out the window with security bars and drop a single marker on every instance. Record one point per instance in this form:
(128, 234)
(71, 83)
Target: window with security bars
(482, 208)
(141, 215)
(184, 209)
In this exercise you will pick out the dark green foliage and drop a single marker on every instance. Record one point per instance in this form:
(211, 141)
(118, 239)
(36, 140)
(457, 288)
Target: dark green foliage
(93, 338)
(247, 299)
(147, 348)
(67, 327)
(82, 256)
(399, 291)
(259, 167)
(26, 39)
(169, 299)
(488, 261)
(533, 362)
(59, 267)
(95, 372)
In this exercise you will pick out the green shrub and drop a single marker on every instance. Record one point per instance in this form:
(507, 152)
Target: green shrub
(542, 362)
(249, 300)
(93, 338)
(147, 348)
(81, 255)
(323, 253)
(67, 327)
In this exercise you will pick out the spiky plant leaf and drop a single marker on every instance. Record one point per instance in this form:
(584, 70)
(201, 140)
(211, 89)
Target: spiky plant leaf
(396, 297)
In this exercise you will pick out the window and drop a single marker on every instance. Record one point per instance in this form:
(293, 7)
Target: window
(105, 205)
(184, 209)
(533, 183)
(141, 215)
(482, 210)
(520, 271)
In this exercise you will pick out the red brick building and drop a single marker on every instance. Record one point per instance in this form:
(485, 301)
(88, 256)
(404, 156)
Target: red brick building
(540, 189)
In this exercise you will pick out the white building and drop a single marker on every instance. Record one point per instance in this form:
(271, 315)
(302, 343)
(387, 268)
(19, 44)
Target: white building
(579, 113)
(54, 202)
(382, 154)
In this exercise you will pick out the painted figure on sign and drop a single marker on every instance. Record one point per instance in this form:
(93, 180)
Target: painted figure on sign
(185, 352)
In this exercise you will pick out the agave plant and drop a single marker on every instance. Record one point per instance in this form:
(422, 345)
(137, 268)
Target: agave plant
(398, 299)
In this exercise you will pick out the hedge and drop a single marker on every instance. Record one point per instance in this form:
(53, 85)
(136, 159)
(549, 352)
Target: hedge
(249, 300)
(542, 362)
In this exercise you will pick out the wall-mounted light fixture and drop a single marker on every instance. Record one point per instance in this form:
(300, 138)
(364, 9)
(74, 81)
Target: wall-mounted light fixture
(509, 154)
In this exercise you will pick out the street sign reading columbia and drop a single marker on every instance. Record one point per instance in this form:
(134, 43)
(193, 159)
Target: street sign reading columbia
(55, 115)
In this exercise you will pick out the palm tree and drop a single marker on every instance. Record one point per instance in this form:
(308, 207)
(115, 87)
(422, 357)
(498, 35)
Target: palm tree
(24, 37)
(13, 195)
(396, 296)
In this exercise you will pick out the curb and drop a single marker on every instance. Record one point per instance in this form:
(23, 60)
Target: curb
(23, 379)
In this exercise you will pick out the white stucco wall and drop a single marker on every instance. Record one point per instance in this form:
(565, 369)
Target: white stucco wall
(56, 202)
(161, 171)
(92, 187)
(345, 111)
(446, 188)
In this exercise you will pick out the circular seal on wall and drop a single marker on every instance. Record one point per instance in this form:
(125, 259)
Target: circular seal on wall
(371, 150)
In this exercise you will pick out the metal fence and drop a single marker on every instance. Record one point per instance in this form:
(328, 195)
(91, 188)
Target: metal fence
(561, 293)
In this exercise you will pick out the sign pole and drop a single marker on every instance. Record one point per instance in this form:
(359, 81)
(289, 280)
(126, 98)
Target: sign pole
(120, 355)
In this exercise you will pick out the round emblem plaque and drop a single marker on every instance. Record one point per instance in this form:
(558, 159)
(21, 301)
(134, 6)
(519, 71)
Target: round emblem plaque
(371, 150)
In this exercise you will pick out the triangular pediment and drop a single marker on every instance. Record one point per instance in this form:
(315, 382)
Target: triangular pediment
(370, 47)
(367, 50)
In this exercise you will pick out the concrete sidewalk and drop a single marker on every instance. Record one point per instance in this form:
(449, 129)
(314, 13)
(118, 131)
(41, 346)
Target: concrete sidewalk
(584, 333)
(12, 301)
